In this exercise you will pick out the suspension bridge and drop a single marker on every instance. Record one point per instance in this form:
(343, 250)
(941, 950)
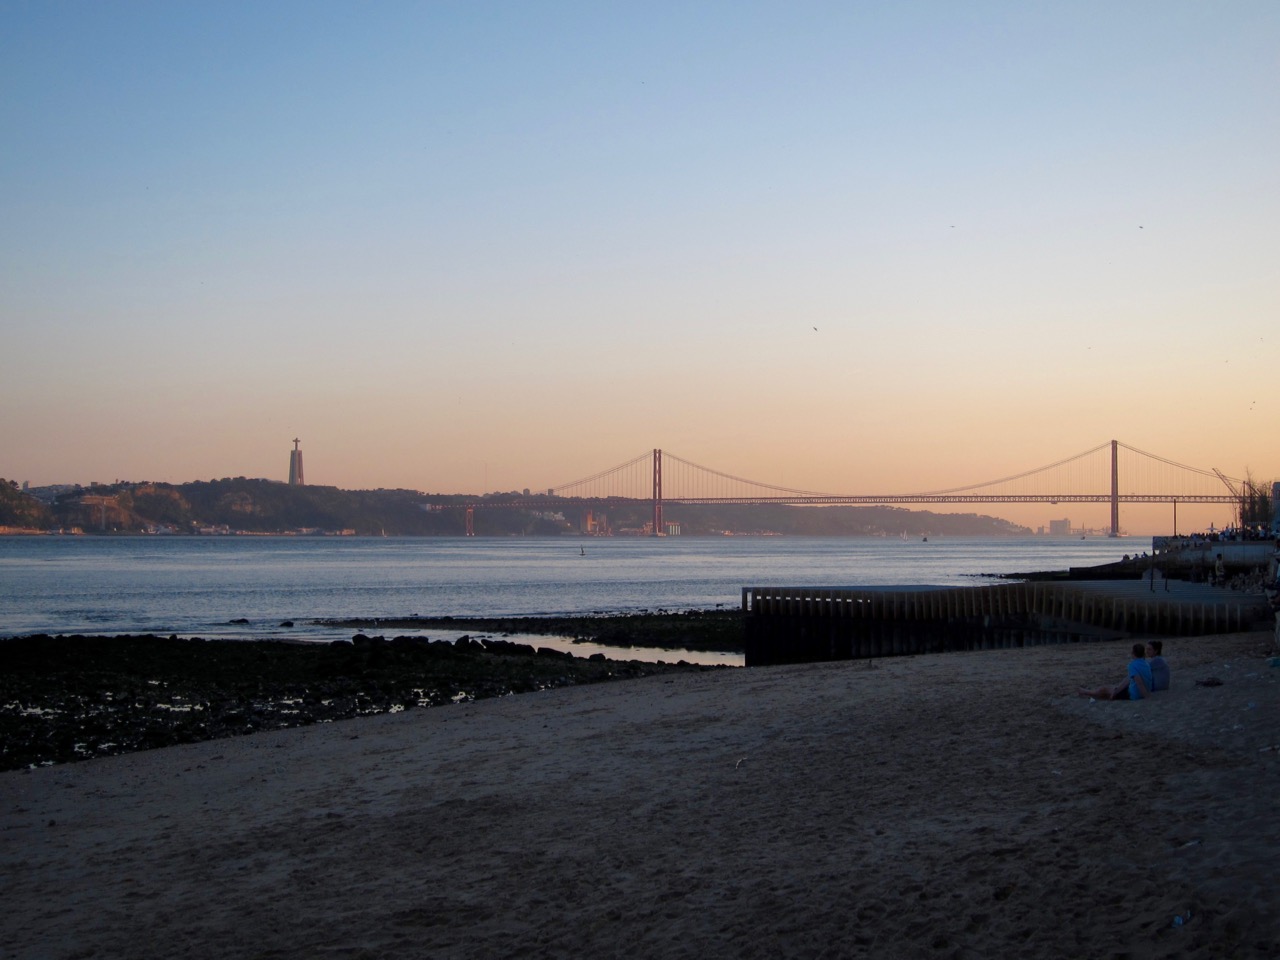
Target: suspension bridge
(1112, 472)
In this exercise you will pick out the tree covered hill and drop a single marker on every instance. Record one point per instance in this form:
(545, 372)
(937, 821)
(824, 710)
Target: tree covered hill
(268, 506)
(17, 509)
(249, 506)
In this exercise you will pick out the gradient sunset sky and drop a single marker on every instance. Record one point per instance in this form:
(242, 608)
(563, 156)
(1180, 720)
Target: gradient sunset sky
(456, 247)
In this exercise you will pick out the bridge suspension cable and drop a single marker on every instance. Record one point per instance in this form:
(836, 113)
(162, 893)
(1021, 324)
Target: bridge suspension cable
(630, 479)
(1083, 476)
(1092, 476)
(1182, 466)
(700, 481)
(1018, 476)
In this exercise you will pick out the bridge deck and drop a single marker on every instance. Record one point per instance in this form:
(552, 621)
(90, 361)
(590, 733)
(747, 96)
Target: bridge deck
(802, 624)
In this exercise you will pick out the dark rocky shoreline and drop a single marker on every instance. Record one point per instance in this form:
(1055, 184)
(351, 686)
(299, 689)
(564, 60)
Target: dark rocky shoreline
(69, 698)
(707, 630)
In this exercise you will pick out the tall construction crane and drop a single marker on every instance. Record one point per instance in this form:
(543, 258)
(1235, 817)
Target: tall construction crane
(1236, 494)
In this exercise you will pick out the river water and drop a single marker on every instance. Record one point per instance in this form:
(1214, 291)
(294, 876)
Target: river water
(196, 586)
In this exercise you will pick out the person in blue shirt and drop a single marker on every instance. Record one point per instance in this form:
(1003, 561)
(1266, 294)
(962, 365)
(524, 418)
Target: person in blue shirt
(1159, 666)
(1135, 686)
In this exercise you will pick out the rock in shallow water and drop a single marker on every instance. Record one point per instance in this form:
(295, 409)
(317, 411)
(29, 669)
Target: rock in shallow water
(71, 698)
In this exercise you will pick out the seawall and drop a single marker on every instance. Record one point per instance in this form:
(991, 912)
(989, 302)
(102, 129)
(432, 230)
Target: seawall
(807, 624)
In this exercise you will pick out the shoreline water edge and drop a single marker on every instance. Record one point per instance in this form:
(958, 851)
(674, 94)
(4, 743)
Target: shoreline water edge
(77, 696)
(69, 698)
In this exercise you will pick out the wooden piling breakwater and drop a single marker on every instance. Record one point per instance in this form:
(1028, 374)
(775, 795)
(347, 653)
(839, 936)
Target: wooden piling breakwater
(806, 624)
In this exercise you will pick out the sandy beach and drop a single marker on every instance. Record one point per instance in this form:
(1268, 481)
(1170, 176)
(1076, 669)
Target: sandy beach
(962, 805)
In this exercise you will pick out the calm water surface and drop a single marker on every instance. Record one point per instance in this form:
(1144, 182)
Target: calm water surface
(194, 586)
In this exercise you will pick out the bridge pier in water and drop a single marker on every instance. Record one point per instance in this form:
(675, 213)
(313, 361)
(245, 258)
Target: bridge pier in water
(811, 624)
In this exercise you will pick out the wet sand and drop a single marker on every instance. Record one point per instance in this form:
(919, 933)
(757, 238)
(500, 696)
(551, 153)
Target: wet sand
(962, 805)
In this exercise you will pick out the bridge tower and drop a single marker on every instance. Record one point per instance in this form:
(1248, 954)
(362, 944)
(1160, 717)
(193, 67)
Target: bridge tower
(657, 493)
(1115, 489)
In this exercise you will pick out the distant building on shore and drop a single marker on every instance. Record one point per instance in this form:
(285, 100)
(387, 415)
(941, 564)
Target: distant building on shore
(295, 465)
(1059, 528)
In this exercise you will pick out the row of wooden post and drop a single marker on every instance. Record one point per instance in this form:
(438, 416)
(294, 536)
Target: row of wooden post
(1061, 602)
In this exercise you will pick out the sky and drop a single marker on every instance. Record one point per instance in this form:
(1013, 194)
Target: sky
(463, 247)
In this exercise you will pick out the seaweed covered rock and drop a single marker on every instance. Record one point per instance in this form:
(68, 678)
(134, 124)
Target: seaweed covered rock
(73, 697)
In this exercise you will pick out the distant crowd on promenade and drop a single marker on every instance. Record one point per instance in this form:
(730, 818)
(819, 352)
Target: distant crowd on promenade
(1236, 557)
(1245, 533)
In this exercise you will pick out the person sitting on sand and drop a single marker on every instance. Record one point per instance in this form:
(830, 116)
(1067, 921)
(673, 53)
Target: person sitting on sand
(1136, 686)
(1159, 666)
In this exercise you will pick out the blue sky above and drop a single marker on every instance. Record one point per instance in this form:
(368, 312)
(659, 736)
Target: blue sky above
(543, 238)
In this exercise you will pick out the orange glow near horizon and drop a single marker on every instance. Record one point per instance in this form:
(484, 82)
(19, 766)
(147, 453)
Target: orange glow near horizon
(864, 253)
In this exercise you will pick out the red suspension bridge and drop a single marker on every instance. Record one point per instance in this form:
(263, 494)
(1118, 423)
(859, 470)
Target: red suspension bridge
(1111, 472)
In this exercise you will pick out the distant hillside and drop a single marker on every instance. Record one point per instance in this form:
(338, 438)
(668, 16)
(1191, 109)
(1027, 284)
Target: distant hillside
(18, 509)
(268, 506)
(837, 521)
(250, 506)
